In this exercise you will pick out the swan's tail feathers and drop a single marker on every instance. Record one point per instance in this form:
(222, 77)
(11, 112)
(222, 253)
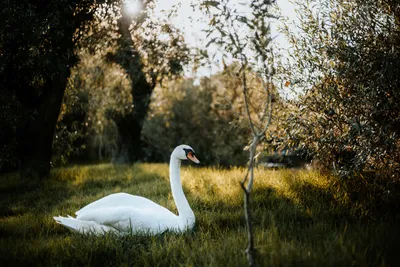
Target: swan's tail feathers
(83, 227)
(70, 223)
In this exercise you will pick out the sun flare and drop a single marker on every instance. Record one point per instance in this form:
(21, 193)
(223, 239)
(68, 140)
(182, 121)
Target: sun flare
(133, 7)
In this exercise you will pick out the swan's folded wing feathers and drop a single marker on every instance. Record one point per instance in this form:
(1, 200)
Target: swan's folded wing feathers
(120, 218)
(113, 200)
(118, 200)
(106, 216)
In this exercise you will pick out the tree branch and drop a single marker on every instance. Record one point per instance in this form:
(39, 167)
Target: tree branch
(246, 101)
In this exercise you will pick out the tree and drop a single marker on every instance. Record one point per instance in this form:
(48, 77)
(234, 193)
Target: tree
(164, 59)
(346, 60)
(37, 47)
(142, 52)
(97, 90)
(37, 59)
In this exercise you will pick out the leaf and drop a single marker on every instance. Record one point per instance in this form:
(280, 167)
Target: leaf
(242, 19)
(211, 42)
(210, 3)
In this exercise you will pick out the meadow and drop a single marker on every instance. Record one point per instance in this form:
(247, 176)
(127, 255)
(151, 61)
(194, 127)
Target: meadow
(300, 219)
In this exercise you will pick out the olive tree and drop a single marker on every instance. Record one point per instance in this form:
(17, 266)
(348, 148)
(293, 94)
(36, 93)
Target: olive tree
(345, 58)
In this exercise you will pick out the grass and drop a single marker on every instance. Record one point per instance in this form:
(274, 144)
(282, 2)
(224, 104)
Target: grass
(300, 219)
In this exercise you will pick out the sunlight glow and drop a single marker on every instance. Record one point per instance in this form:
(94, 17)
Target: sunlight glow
(193, 24)
(132, 7)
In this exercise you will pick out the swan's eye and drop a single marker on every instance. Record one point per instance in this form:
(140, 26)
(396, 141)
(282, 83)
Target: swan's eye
(191, 156)
(187, 151)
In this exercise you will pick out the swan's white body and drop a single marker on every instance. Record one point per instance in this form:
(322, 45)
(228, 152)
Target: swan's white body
(124, 213)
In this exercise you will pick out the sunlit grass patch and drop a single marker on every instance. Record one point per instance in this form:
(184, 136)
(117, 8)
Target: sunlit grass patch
(299, 219)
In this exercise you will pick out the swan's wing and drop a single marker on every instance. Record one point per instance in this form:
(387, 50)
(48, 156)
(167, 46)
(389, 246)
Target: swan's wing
(127, 218)
(84, 226)
(118, 200)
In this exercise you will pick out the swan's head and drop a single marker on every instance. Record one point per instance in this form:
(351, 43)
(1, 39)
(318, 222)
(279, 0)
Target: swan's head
(185, 152)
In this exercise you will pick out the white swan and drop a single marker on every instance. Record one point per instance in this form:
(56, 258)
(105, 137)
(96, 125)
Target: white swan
(124, 213)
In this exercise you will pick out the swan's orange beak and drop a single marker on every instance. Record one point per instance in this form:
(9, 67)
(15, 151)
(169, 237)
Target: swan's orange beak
(193, 158)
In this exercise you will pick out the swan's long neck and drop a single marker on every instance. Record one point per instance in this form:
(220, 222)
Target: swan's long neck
(186, 215)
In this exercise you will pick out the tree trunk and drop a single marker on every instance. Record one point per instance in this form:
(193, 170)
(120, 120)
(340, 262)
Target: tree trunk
(130, 126)
(40, 86)
(36, 137)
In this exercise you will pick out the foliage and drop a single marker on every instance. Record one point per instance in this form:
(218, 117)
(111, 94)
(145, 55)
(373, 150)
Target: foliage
(210, 115)
(180, 112)
(160, 46)
(100, 105)
(346, 59)
(311, 224)
(96, 91)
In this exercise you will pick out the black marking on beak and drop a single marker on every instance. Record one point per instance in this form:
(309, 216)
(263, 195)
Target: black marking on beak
(187, 151)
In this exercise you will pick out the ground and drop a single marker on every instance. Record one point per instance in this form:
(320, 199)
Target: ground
(300, 219)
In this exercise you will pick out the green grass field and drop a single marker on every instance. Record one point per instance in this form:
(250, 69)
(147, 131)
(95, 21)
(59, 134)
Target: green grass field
(300, 219)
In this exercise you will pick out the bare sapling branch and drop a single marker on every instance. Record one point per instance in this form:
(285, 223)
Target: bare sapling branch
(258, 134)
(246, 100)
(247, 39)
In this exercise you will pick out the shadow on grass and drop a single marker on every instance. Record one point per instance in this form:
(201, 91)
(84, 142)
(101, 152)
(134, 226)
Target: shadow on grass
(21, 195)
